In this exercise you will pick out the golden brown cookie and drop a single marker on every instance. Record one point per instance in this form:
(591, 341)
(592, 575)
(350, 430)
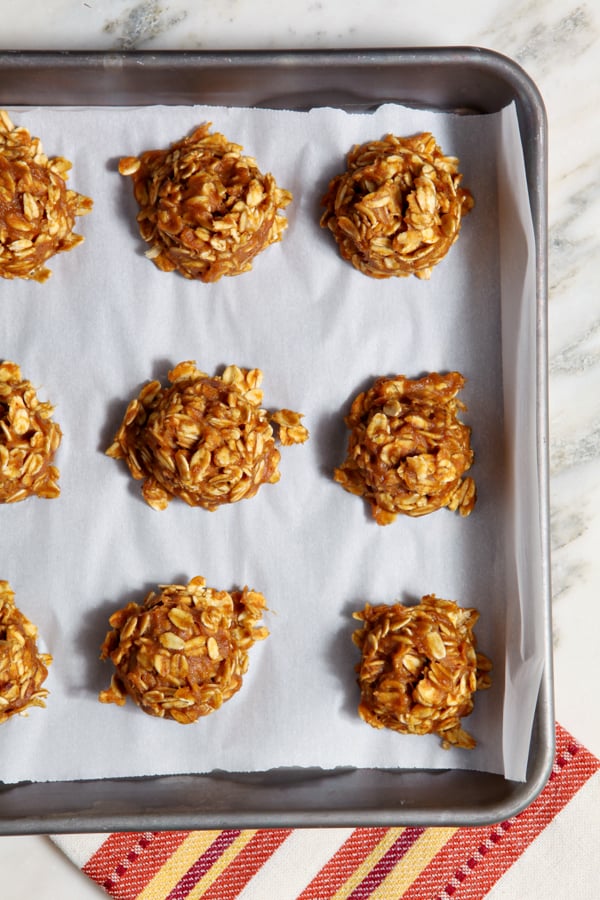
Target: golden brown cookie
(419, 668)
(23, 669)
(205, 209)
(407, 450)
(398, 207)
(29, 438)
(37, 211)
(184, 651)
(204, 439)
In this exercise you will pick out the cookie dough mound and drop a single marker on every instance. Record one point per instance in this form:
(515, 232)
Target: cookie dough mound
(203, 439)
(23, 669)
(408, 451)
(29, 438)
(398, 207)
(37, 211)
(205, 209)
(183, 652)
(419, 668)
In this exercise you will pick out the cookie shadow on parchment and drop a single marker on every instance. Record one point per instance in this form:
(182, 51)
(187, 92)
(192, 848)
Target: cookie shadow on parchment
(342, 658)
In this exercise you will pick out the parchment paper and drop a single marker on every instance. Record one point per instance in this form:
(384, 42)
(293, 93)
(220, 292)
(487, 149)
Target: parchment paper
(108, 321)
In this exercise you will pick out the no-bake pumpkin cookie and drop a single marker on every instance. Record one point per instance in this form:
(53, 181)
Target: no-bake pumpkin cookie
(419, 668)
(23, 669)
(183, 652)
(408, 451)
(398, 207)
(205, 439)
(205, 209)
(37, 210)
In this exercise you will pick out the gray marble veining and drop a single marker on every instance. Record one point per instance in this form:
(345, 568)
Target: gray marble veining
(140, 24)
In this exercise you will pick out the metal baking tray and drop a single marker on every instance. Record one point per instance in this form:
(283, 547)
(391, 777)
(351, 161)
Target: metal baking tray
(461, 79)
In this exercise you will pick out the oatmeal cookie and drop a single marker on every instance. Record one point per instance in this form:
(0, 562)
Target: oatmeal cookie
(419, 668)
(23, 669)
(29, 438)
(184, 651)
(205, 209)
(398, 207)
(203, 439)
(407, 450)
(37, 211)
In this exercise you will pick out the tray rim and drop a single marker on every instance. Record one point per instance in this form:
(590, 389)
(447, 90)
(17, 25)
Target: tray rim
(533, 122)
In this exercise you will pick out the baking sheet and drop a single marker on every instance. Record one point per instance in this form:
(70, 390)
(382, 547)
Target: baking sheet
(108, 321)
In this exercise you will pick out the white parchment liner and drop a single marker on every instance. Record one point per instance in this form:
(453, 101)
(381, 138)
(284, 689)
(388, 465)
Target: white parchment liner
(108, 320)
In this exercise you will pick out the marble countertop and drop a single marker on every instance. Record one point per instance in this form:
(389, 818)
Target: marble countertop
(558, 44)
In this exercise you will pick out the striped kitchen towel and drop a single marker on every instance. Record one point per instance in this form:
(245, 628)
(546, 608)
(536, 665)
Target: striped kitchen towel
(552, 842)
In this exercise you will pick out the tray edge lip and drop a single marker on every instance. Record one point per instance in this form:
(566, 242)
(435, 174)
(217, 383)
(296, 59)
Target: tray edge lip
(526, 89)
